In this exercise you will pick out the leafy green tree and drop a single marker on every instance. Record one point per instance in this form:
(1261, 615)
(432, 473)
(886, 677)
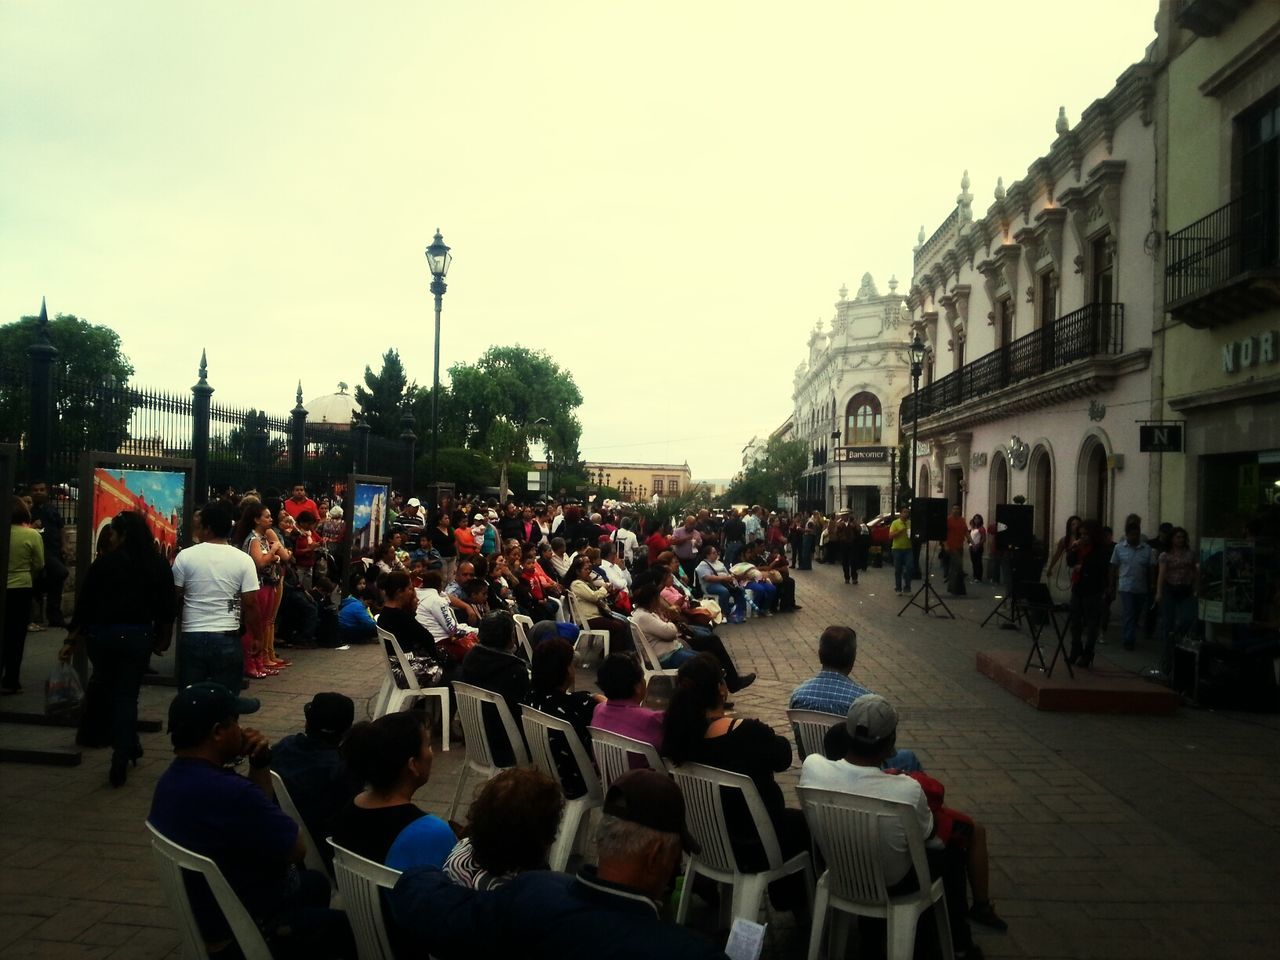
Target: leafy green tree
(470, 470)
(385, 395)
(778, 472)
(92, 409)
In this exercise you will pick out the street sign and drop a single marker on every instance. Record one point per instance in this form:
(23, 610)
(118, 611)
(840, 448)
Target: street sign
(862, 455)
(1160, 438)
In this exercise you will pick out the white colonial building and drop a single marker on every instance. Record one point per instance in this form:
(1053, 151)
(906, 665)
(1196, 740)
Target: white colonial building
(846, 398)
(1038, 319)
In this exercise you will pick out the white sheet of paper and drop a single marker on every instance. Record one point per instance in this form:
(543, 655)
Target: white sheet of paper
(746, 940)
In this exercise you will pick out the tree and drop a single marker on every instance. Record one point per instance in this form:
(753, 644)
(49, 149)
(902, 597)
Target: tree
(388, 395)
(779, 471)
(92, 409)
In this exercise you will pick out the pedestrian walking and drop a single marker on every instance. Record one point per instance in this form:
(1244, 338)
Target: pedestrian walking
(1133, 565)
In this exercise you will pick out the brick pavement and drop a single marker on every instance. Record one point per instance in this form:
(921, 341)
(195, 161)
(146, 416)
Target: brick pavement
(1110, 835)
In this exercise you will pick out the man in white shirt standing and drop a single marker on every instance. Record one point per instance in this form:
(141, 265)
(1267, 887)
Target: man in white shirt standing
(626, 541)
(216, 584)
(872, 727)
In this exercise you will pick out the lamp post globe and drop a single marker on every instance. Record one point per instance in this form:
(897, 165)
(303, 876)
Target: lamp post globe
(438, 261)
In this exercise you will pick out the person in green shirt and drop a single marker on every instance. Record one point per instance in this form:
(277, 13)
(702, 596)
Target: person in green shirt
(26, 560)
(900, 535)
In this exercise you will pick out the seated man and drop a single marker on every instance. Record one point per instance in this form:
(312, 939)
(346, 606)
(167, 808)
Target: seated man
(552, 915)
(313, 773)
(202, 804)
(718, 582)
(833, 690)
(493, 665)
(456, 591)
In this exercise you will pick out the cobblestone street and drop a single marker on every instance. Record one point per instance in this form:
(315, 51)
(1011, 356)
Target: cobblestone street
(1110, 835)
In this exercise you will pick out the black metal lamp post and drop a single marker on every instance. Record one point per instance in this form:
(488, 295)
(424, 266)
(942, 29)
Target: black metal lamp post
(917, 367)
(835, 452)
(438, 258)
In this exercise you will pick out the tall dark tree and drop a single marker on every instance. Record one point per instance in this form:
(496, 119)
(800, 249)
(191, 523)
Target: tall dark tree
(385, 395)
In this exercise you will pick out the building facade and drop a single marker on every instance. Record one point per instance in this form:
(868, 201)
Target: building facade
(846, 399)
(1037, 320)
(1217, 355)
(641, 481)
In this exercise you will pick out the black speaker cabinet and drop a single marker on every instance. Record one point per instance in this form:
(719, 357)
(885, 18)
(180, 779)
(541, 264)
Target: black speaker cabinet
(929, 518)
(1013, 525)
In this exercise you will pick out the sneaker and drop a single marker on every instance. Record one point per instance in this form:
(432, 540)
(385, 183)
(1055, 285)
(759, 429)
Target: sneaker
(985, 914)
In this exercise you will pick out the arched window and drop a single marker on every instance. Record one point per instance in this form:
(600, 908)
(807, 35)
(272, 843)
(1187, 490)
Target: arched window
(862, 420)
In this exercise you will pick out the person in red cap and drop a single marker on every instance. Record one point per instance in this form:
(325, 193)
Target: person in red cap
(540, 914)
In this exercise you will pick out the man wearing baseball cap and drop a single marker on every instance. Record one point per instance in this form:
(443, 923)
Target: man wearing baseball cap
(872, 729)
(202, 804)
(410, 521)
(640, 840)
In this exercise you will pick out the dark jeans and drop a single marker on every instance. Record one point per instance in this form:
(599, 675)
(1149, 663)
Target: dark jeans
(17, 614)
(975, 557)
(305, 927)
(704, 641)
(210, 656)
(949, 864)
(807, 545)
(49, 584)
(1086, 617)
(846, 554)
(119, 653)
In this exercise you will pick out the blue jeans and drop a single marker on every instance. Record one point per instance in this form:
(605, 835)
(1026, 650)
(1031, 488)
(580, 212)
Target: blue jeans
(119, 654)
(902, 563)
(676, 657)
(1178, 610)
(904, 760)
(1133, 605)
(210, 656)
(766, 594)
(732, 550)
(733, 610)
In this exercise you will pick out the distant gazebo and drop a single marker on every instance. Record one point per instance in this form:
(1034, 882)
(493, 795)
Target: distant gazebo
(334, 410)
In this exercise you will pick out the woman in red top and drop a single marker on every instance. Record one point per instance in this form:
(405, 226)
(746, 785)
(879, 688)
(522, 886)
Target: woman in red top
(464, 540)
(659, 540)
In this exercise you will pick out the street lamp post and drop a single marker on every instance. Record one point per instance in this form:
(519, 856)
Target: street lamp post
(438, 258)
(917, 367)
(835, 452)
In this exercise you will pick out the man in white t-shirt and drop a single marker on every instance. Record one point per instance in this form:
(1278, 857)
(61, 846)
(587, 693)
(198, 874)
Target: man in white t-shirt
(216, 584)
(626, 541)
(872, 727)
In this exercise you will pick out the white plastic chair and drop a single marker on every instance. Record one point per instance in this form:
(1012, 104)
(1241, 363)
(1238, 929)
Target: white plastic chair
(577, 810)
(524, 626)
(584, 630)
(378, 706)
(613, 754)
(810, 728)
(846, 828)
(471, 702)
(173, 860)
(649, 662)
(313, 859)
(361, 883)
(703, 787)
(413, 689)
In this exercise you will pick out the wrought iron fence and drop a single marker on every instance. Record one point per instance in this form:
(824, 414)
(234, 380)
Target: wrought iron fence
(1239, 236)
(1095, 329)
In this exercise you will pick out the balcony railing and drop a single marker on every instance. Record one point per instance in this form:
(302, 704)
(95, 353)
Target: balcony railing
(1096, 329)
(1206, 256)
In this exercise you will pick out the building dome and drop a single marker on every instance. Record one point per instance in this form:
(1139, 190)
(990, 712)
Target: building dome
(334, 409)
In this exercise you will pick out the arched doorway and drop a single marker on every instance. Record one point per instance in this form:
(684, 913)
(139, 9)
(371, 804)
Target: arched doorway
(1040, 492)
(1094, 498)
(922, 487)
(999, 482)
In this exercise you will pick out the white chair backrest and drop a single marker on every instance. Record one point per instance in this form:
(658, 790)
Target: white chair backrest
(810, 727)
(360, 881)
(173, 860)
(613, 754)
(394, 652)
(314, 860)
(537, 728)
(847, 829)
(649, 661)
(524, 626)
(704, 811)
(471, 702)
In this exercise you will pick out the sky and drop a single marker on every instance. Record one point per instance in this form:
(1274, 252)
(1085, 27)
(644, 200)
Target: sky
(664, 197)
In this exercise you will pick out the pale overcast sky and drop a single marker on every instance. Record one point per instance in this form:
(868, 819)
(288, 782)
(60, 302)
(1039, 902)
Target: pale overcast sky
(664, 196)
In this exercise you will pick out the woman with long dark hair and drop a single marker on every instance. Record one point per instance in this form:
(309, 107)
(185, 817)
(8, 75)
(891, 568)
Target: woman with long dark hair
(126, 611)
(253, 535)
(589, 600)
(977, 542)
(1090, 561)
(697, 730)
(676, 642)
(1065, 542)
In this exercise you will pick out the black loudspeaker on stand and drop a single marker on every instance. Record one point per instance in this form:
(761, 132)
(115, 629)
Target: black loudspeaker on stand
(1014, 524)
(928, 522)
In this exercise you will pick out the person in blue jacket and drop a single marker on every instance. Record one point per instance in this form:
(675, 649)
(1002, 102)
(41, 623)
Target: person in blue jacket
(355, 622)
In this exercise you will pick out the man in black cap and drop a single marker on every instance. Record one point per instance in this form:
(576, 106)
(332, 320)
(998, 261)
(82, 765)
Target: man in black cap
(313, 772)
(202, 804)
(554, 915)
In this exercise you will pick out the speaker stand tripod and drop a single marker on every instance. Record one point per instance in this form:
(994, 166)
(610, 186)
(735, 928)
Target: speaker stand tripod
(921, 598)
(1009, 618)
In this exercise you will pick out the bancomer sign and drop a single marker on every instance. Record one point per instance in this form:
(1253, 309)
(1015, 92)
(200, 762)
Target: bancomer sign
(862, 455)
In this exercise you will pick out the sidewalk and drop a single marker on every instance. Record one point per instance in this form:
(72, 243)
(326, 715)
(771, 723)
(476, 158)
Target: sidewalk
(1109, 835)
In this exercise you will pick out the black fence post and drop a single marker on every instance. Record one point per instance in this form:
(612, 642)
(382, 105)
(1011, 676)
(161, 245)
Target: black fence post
(201, 399)
(42, 354)
(410, 440)
(362, 430)
(257, 441)
(298, 438)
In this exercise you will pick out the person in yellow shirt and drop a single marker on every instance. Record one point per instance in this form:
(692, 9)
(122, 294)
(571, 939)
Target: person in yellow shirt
(26, 560)
(900, 536)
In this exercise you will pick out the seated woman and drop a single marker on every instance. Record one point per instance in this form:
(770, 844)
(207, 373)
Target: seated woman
(355, 622)
(590, 602)
(676, 643)
(760, 583)
(511, 825)
(436, 615)
(392, 755)
(622, 682)
(697, 730)
(720, 583)
(701, 614)
(432, 666)
(551, 691)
